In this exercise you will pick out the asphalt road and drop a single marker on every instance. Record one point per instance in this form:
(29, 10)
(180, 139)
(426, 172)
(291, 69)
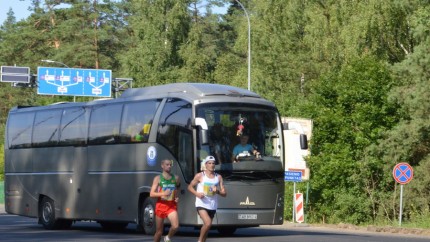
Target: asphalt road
(17, 228)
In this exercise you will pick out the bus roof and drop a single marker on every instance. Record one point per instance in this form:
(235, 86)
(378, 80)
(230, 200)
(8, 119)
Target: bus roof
(194, 90)
(187, 91)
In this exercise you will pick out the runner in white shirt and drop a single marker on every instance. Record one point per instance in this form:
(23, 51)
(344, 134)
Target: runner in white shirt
(209, 186)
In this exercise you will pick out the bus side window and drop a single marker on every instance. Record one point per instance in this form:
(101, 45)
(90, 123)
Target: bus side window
(74, 126)
(19, 130)
(104, 125)
(46, 126)
(137, 120)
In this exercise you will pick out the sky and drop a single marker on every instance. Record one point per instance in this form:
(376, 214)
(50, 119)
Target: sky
(20, 9)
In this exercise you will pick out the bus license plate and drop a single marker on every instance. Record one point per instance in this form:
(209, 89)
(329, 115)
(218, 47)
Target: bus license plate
(247, 216)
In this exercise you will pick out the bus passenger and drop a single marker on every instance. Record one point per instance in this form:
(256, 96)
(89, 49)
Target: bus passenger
(165, 188)
(209, 185)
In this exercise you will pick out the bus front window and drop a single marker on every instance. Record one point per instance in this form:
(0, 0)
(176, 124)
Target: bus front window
(229, 123)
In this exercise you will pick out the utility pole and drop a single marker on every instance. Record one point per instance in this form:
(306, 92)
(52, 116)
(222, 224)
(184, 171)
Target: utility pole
(249, 44)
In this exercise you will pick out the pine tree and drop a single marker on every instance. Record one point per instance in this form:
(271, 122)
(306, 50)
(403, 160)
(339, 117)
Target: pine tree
(158, 28)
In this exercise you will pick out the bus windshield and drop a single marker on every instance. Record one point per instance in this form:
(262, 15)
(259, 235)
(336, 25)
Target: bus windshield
(245, 140)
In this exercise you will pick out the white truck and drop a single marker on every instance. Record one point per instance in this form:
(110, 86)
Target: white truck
(297, 133)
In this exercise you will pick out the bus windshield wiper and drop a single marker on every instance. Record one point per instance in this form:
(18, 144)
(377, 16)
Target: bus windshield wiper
(243, 176)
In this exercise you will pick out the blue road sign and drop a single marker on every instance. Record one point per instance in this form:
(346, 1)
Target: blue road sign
(74, 82)
(295, 176)
(403, 173)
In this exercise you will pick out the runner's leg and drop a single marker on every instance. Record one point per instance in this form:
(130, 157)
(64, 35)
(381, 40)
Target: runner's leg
(159, 224)
(174, 223)
(207, 223)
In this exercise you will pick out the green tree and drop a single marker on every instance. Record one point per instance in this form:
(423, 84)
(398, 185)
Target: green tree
(280, 54)
(19, 45)
(158, 29)
(200, 51)
(231, 63)
(350, 112)
(409, 141)
(84, 34)
(15, 40)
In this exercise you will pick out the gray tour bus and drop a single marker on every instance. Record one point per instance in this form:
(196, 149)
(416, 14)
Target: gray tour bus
(95, 161)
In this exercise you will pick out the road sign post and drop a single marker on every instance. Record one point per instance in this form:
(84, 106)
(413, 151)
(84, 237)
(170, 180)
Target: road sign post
(403, 174)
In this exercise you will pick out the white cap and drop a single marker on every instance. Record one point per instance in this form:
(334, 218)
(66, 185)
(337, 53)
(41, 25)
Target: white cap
(208, 158)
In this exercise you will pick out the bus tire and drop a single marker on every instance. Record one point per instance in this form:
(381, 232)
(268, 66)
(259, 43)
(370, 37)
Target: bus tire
(148, 216)
(47, 214)
(226, 231)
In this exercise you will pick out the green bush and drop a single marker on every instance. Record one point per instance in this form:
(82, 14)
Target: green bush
(1, 192)
(301, 187)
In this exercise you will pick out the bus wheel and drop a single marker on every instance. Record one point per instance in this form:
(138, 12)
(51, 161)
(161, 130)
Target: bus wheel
(226, 230)
(148, 216)
(47, 214)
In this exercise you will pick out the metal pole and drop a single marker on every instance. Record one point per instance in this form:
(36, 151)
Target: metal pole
(57, 62)
(249, 44)
(307, 198)
(401, 205)
(294, 201)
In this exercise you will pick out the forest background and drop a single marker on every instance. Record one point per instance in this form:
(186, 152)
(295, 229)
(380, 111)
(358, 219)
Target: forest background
(358, 69)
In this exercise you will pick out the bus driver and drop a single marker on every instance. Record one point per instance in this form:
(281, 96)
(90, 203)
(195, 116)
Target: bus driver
(243, 149)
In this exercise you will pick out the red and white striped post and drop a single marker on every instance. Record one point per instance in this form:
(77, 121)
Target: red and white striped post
(300, 215)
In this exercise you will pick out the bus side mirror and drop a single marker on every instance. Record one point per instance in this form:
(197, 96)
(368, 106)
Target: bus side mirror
(201, 122)
(303, 141)
(202, 128)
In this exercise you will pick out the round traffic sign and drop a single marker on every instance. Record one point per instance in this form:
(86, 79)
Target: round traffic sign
(403, 173)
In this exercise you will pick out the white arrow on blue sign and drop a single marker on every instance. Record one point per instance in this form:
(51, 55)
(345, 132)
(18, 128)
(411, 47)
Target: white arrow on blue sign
(74, 81)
